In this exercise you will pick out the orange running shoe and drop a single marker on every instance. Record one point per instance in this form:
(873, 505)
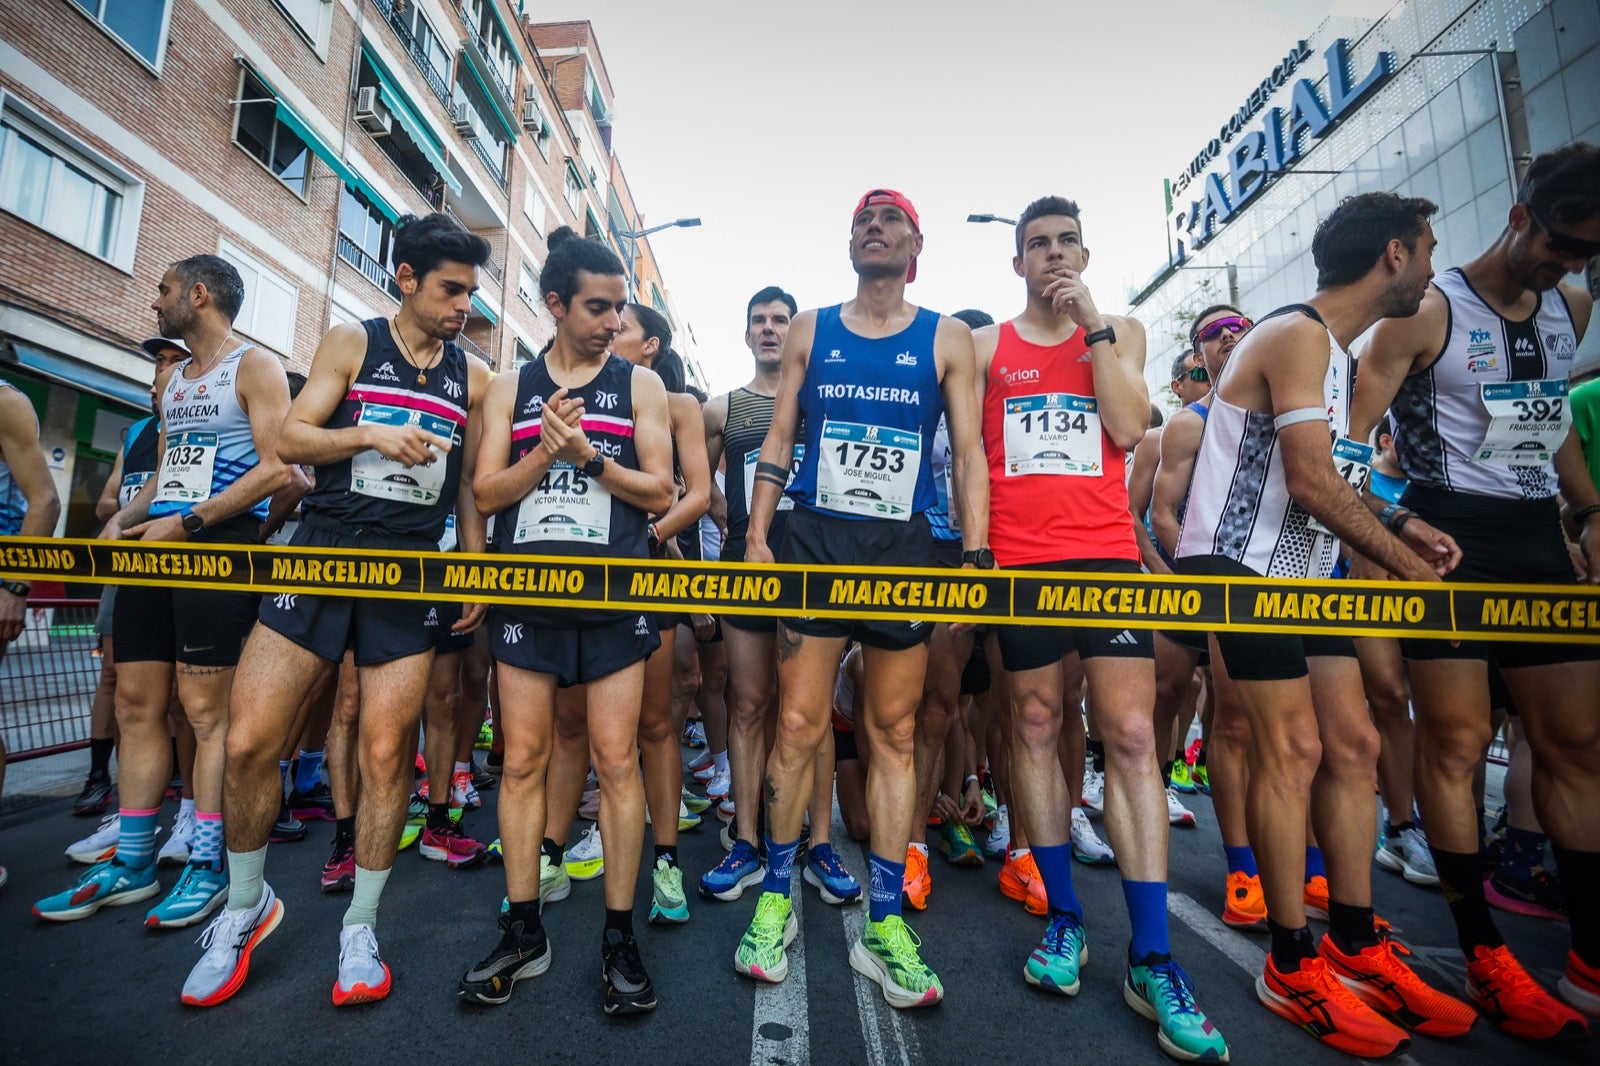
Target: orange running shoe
(1385, 983)
(1580, 985)
(1515, 1002)
(1317, 905)
(1312, 998)
(1244, 905)
(918, 883)
(1020, 880)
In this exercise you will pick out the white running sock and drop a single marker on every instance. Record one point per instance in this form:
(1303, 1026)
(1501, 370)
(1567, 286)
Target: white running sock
(363, 908)
(246, 874)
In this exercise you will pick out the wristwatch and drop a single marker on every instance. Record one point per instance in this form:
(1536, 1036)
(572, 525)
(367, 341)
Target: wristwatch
(594, 467)
(193, 523)
(982, 558)
(16, 588)
(1106, 334)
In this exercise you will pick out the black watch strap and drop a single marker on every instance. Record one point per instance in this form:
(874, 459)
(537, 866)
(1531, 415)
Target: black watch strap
(594, 467)
(193, 523)
(1106, 334)
(982, 558)
(16, 588)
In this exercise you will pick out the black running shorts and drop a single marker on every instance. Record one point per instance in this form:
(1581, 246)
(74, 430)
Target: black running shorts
(573, 656)
(1029, 647)
(1264, 656)
(200, 627)
(822, 540)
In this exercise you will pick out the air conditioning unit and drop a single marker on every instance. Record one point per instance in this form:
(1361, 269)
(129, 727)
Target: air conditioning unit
(371, 115)
(463, 122)
(530, 94)
(532, 118)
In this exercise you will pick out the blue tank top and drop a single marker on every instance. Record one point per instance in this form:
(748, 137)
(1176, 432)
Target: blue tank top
(943, 519)
(871, 408)
(13, 504)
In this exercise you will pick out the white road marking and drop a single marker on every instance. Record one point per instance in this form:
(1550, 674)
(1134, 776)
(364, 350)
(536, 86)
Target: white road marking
(780, 1029)
(887, 1039)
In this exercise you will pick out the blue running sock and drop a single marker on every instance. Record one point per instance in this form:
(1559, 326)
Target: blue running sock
(780, 867)
(207, 844)
(1241, 860)
(1314, 866)
(306, 771)
(136, 837)
(1055, 866)
(888, 879)
(1147, 914)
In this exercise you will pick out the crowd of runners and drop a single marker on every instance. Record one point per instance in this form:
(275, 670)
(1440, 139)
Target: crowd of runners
(876, 432)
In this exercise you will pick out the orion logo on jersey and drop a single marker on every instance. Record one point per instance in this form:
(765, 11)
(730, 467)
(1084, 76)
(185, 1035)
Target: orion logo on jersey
(511, 633)
(1013, 377)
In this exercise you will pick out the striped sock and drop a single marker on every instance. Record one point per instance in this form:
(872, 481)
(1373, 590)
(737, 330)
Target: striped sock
(207, 844)
(136, 837)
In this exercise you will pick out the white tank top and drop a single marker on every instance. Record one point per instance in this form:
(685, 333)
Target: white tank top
(209, 444)
(1443, 415)
(1239, 503)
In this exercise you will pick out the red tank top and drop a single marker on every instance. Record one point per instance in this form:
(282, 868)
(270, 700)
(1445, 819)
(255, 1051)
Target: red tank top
(1057, 488)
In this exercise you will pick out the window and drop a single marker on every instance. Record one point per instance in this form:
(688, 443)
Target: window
(273, 144)
(573, 187)
(311, 16)
(528, 287)
(366, 239)
(522, 355)
(268, 312)
(533, 206)
(425, 45)
(64, 188)
(139, 25)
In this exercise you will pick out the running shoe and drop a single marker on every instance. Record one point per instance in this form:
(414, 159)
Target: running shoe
(287, 829)
(762, 950)
(667, 904)
(554, 884)
(701, 761)
(519, 955)
(409, 834)
(1537, 896)
(1020, 880)
(201, 889)
(1177, 813)
(95, 798)
(339, 872)
(1245, 906)
(1180, 778)
(738, 870)
(1094, 789)
(1316, 897)
(1507, 996)
(363, 975)
(695, 804)
(590, 807)
(1406, 853)
(694, 734)
(998, 840)
(1382, 979)
(917, 884)
(628, 987)
(887, 954)
(450, 845)
(1054, 965)
(1313, 998)
(107, 884)
(727, 837)
(687, 820)
(99, 845)
(314, 804)
(1087, 847)
(229, 941)
(462, 792)
(485, 739)
(495, 852)
(494, 762)
(482, 779)
(1202, 777)
(1192, 753)
(725, 810)
(959, 848)
(176, 850)
(1158, 989)
(586, 860)
(826, 873)
(1580, 985)
(705, 773)
(719, 784)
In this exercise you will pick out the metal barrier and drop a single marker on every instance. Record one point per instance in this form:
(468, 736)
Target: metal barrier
(48, 678)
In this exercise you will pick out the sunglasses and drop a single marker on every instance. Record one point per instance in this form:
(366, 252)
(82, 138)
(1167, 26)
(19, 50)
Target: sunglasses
(1235, 324)
(1564, 245)
(1198, 373)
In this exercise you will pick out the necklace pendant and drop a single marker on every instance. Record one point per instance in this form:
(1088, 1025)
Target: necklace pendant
(422, 379)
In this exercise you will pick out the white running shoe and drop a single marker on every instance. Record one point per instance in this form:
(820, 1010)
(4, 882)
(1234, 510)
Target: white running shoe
(1177, 813)
(1407, 854)
(706, 772)
(99, 845)
(175, 852)
(363, 976)
(725, 809)
(229, 941)
(1087, 847)
(999, 838)
(586, 859)
(1094, 789)
(701, 761)
(719, 785)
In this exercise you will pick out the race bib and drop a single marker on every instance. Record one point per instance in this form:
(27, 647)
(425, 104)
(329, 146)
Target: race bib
(565, 506)
(1353, 460)
(371, 474)
(868, 470)
(131, 484)
(1528, 421)
(785, 503)
(447, 543)
(1053, 433)
(187, 466)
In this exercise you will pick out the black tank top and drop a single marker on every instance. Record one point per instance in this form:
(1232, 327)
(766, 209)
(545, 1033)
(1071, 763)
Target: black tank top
(749, 418)
(375, 494)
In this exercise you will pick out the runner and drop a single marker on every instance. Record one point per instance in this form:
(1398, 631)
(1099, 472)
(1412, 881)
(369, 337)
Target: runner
(867, 407)
(387, 416)
(577, 444)
(1267, 453)
(1477, 386)
(220, 413)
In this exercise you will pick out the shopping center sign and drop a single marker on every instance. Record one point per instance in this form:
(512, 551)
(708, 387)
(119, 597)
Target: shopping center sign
(1253, 157)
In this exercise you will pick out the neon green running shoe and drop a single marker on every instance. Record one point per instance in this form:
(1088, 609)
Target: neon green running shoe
(1202, 777)
(1181, 779)
(667, 904)
(887, 954)
(1055, 963)
(485, 739)
(696, 804)
(772, 930)
(1159, 989)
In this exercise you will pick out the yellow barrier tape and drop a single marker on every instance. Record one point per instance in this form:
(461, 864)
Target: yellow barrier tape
(1538, 613)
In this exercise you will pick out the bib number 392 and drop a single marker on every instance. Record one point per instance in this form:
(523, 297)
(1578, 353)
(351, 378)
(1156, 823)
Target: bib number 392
(1528, 421)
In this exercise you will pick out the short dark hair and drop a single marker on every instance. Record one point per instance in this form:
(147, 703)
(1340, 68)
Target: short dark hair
(699, 394)
(220, 278)
(570, 255)
(1385, 427)
(1351, 240)
(769, 295)
(425, 243)
(1178, 369)
(1194, 326)
(1156, 417)
(669, 364)
(1563, 185)
(1043, 207)
(297, 381)
(974, 318)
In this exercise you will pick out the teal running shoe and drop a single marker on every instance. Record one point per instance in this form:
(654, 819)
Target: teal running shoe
(667, 904)
(202, 889)
(106, 884)
(1159, 989)
(1055, 963)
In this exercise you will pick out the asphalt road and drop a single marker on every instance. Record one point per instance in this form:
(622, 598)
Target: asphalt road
(106, 990)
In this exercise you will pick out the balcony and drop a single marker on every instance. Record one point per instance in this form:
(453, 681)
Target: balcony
(481, 55)
(370, 268)
(488, 161)
(419, 56)
(416, 170)
(472, 349)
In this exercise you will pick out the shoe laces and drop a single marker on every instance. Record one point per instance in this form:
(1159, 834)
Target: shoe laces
(1058, 934)
(222, 932)
(357, 940)
(770, 920)
(1508, 973)
(828, 861)
(901, 942)
(1175, 987)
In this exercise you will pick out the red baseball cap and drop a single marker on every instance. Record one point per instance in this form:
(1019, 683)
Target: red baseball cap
(900, 200)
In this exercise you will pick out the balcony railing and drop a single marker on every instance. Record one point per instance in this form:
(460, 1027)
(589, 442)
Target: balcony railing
(419, 55)
(492, 269)
(417, 171)
(370, 268)
(490, 65)
(489, 162)
(472, 349)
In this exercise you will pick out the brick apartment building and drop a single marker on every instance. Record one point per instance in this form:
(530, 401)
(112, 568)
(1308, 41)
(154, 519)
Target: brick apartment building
(287, 136)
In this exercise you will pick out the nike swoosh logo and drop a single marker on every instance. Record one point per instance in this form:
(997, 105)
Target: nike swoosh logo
(207, 647)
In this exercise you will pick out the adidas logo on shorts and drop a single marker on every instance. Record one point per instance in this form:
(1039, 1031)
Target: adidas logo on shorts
(1125, 637)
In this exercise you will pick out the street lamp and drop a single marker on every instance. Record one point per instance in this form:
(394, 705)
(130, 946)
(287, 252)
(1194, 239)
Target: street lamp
(991, 218)
(633, 237)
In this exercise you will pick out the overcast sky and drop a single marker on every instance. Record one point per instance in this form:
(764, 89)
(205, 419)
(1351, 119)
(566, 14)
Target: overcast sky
(769, 121)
